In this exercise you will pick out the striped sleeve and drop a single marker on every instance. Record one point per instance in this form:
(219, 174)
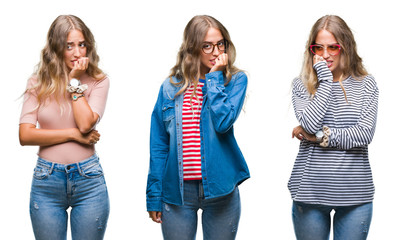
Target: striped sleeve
(310, 111)
(362, 132)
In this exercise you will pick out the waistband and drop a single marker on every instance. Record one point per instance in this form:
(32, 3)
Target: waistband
(86, 163)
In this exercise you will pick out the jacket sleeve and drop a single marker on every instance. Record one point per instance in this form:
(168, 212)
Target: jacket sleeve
(362, 133)
(225, 106)
(159, 148)
(310, 111)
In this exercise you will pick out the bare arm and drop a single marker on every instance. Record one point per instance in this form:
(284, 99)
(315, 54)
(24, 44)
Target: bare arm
(30, 135)
(84, 117)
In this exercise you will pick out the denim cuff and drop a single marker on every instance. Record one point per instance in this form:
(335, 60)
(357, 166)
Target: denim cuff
(154, 204)
(214, 78)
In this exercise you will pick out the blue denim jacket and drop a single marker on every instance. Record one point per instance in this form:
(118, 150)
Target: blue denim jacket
(222, 163)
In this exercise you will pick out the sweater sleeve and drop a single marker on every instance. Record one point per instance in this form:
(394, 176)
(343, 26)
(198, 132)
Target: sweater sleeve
(361, 133)
(310, 111)
(225, 106)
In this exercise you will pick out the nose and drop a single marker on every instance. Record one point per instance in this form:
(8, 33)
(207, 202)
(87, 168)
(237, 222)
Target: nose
(216, 51)
(77, 52)
(326, 54)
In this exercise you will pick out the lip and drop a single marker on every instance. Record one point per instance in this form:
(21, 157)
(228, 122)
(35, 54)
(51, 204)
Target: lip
(212, 61)
(329, 63)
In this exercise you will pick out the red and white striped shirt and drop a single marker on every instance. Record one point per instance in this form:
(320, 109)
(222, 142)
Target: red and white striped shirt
(191, 111)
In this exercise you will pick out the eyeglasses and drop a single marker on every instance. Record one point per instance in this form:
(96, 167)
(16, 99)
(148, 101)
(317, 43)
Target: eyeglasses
(333, 49)
(209, 47)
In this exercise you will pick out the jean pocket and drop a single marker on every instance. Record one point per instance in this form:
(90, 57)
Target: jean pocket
(41, 172)
(92, 171)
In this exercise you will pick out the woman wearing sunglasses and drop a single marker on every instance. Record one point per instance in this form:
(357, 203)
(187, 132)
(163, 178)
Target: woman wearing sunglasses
(195, 162)
(335, 102)
(66, 97)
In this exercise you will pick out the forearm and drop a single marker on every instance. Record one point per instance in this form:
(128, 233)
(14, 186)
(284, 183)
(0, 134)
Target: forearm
(225, 106)
(30, 135)
(84, 117)
(309, 111)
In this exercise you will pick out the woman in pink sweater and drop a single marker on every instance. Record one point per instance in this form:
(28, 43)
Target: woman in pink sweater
(64, 100)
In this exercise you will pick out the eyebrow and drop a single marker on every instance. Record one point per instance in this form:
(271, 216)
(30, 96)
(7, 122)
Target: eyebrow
(327, 45)
(73, 42)
(214, 43)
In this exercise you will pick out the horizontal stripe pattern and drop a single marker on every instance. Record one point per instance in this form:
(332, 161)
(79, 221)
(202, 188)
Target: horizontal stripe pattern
(340, 174)
(191, 111)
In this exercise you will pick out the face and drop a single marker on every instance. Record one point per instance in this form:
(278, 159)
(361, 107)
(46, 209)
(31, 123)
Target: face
(327, 39)
(75, 49)
(213, 36)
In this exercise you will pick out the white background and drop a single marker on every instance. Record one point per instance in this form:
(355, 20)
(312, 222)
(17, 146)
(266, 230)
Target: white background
(138, 42)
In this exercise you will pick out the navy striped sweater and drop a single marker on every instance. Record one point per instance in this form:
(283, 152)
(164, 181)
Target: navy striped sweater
(340, 174)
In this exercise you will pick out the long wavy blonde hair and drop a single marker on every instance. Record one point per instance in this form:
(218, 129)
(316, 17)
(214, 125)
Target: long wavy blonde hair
(188, 66)
(350, 62)
(52, 72)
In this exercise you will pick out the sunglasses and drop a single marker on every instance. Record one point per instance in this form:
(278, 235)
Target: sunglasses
(333, 49)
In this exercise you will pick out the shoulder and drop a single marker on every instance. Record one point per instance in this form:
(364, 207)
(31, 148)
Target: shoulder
(169, 88)
(370, 81)
(239, 78)
(32, 84)
(101, 80)
(298, 85)
(32, 81)
(367, 82)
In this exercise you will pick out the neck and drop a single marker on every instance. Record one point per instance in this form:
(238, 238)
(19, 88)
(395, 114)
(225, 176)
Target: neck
(337, 76)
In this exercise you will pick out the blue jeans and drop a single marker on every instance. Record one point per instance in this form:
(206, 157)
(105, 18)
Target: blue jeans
(56, 187)
(313, 222)
(220, 216)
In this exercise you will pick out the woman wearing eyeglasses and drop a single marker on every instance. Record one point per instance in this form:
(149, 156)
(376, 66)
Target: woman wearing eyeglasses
(195, 162)
(335, 102)
(66, 97)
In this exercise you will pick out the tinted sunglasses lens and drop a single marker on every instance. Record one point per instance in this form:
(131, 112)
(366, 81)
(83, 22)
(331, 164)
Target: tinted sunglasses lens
(333, 49)
(317, 50)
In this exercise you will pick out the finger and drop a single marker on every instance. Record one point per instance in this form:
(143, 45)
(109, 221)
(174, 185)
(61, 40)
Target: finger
(153, 216)
(84, 63)
(87, 61)
(158, 217)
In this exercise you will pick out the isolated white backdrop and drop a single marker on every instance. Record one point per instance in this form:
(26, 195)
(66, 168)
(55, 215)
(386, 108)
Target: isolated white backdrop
(137, 42)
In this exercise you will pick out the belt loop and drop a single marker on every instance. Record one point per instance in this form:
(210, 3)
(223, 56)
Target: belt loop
(52, 168)
(79, 168)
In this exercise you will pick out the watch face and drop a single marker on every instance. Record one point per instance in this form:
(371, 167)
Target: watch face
(74, 82)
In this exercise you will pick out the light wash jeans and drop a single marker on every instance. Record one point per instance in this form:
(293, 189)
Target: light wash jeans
(56, 187)
(220, 216)
(313, 222)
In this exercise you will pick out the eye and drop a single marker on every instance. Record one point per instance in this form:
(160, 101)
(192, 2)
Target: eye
(318, 48)
(333, 47)
(207, 46)
(69, 47)
(82, 44)
(221, 43)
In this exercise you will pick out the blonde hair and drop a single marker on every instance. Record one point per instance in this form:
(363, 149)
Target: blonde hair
(350, 62)
(188, 64)
(52, 72)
